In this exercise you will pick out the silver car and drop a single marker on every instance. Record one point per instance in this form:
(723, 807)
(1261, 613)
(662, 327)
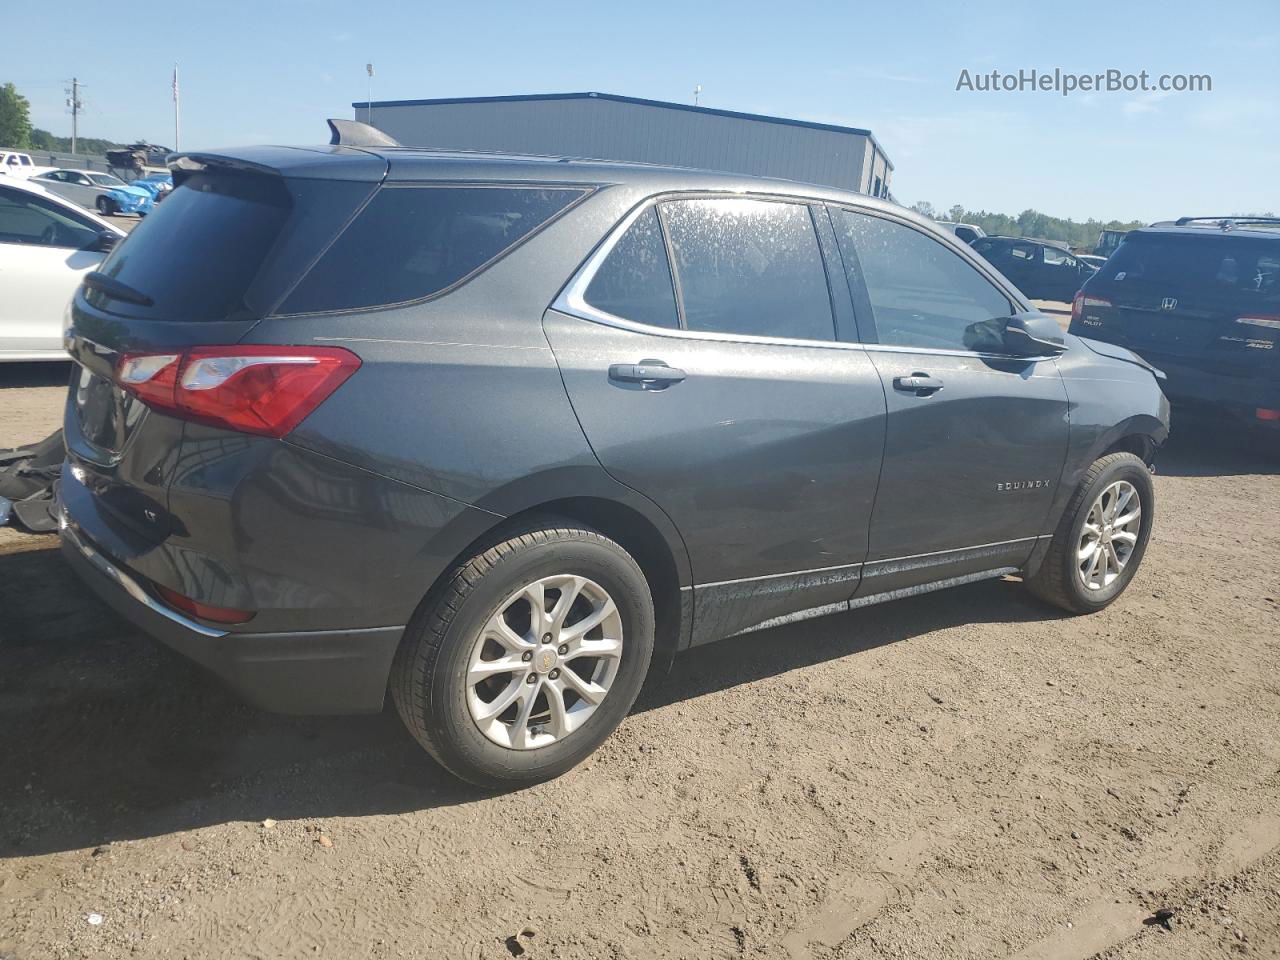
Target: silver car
(104, 192)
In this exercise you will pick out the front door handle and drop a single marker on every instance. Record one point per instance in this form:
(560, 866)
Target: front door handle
(651, 372)
(921, 384)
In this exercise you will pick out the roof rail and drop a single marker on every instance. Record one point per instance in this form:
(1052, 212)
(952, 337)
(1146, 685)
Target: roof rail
(353, 133)
(1225, 223)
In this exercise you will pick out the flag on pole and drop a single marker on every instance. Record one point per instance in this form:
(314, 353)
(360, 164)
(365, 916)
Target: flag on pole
(175, 83)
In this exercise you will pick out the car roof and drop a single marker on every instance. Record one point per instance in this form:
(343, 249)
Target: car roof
(1056, 244)
(1223, 227)
(401, 164)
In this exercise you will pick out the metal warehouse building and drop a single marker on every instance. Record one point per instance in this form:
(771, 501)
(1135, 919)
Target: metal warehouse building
(604, 126)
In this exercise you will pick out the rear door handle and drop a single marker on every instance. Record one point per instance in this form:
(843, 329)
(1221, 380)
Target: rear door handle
(921, 384)
(646, 371)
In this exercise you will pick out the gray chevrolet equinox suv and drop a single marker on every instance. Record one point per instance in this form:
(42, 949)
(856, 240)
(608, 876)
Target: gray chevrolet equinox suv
(496, 433)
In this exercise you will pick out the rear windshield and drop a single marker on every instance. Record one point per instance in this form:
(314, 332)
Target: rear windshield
(196, 254)
(413, 242)
(1245, 265)
(226, 245)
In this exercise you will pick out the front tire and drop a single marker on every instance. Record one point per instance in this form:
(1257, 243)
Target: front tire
(532, 652)
(106, 206)
(1101, 538)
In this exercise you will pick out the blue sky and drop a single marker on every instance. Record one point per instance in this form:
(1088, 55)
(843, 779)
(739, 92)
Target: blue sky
(272, 71)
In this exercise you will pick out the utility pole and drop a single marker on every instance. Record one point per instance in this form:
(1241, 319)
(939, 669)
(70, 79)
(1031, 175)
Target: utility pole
(697, 92)
(76, 105)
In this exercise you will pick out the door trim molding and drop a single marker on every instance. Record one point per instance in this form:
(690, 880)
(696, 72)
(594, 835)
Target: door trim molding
(846, 606)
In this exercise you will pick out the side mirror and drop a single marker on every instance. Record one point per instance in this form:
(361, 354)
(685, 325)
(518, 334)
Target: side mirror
(1033, 335)
(105, 241)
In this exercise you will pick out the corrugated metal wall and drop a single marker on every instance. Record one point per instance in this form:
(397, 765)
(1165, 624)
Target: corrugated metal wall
(598, 128)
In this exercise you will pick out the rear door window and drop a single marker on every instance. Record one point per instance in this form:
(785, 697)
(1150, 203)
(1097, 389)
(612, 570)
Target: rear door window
(749, 267)
(634, 281)
(413, 242)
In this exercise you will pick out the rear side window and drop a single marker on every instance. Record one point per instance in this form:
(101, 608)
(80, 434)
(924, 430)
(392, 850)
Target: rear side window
(634, 281)
(749, 267)
(923, 294)
(1242, 265)
(410, 243)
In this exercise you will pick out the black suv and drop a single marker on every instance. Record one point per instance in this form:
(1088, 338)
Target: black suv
(494, 433)
(1042, 271)
(1200, 299)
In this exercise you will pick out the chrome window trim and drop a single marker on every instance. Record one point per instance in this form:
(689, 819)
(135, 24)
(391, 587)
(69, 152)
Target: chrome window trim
(572, 299)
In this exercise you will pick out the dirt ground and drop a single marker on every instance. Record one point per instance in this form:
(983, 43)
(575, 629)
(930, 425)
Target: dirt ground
(963, 775)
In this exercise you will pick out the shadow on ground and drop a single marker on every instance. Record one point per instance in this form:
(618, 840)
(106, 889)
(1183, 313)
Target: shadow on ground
(46, 374)
(1203, 445)
(109, 736)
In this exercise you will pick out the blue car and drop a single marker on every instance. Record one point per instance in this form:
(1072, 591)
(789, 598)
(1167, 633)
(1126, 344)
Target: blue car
(104, 192)
(157, 184)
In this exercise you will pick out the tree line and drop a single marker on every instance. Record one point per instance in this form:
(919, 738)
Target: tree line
(1029, 223)
(16, 131)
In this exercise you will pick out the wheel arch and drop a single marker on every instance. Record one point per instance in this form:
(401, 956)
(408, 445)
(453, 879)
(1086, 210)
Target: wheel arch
(664, 563)
(1141, 435)
(1141, 445)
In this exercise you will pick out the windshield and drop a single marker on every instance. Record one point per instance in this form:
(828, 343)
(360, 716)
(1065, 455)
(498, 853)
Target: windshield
(106, 180)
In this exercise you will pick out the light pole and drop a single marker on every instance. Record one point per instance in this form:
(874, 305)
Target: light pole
(369, 95)
(177, 124)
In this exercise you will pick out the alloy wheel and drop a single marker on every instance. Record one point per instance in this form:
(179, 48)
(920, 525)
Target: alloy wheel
(544, 662)
(1109, 535)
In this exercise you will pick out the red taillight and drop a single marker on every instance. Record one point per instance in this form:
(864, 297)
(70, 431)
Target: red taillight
(1262, 413)
(1081, 302)
(253, 389)
(203, 610)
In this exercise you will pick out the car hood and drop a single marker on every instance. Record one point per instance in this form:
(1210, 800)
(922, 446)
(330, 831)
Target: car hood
(131, 191)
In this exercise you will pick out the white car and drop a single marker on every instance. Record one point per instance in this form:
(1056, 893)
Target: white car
(968, 232)
(47, 245)
(105, 192)
(19, 165)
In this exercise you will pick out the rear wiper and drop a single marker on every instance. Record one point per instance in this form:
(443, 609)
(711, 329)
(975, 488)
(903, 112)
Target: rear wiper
(116, 290)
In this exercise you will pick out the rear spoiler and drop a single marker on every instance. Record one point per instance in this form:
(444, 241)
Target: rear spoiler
(342, 161)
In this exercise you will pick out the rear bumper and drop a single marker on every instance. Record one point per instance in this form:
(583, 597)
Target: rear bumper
(311, 672)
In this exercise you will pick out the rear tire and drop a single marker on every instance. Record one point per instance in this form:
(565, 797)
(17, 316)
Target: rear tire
(480, 618)
(1092, 559)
